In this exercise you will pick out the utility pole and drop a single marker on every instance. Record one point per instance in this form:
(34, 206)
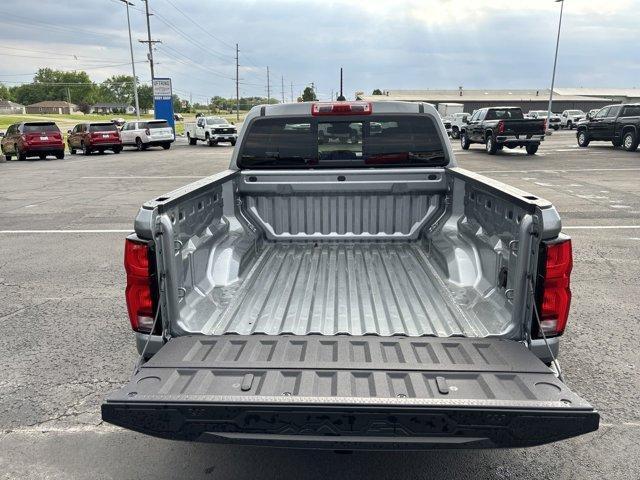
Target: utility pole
(133, 64)
(555, 61)
(292, 92)
(282, 77)
(268, 87)
(237, 86)
(69, 96)
(148, 40)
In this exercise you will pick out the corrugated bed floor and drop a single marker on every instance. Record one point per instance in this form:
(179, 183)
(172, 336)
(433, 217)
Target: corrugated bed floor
(357, 289)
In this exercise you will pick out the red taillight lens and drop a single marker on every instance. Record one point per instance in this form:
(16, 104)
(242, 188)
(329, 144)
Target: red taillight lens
(544, 125)
(341, 108)
(500, 126)
(139, 294)
(556, 291)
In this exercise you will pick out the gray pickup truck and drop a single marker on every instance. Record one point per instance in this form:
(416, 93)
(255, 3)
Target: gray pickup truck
(359, 292)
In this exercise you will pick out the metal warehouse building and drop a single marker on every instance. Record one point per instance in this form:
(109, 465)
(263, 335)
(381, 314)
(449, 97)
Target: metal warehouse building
(563, 98)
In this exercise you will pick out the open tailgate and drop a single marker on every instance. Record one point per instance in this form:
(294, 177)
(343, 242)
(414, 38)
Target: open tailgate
(349, 392)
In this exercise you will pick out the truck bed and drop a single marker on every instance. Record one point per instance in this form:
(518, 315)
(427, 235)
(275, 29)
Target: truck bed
(380, 288)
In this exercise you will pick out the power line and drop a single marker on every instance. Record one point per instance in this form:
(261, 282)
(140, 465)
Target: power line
(22, 21)
(191, 39)
(180, 57)
(188, 17)
(49, 53)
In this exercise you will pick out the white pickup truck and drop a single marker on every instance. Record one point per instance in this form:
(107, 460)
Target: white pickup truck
(570, 118)
(211, 130)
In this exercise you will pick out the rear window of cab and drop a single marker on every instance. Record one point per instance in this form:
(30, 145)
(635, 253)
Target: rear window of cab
(374, 141)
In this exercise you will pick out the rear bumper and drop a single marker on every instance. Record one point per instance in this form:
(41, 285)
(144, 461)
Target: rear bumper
(155, 343)
(158, 142)
(36, 149)
(106, 145)
(351, 427)
(539, 348)
(519, 140)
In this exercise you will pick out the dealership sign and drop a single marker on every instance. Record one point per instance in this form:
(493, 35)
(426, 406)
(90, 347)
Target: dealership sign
(162, 88)
(163, 100)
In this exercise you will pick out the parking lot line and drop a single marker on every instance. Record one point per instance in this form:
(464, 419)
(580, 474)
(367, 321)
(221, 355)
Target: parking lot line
(131, 177)
(600, 227)
(631, 169)
(65, 231)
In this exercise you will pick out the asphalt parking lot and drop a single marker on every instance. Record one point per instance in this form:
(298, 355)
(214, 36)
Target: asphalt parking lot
(66, 340)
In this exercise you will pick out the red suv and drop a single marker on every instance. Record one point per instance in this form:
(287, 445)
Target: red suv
(94, 136)
(32, 139)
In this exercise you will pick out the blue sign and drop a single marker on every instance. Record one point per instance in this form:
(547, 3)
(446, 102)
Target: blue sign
(163, 100)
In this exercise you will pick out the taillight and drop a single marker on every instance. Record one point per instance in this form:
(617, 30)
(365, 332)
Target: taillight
(501, 126)
(139, 292)
(341, 108)
(555, 291)
(544, 125)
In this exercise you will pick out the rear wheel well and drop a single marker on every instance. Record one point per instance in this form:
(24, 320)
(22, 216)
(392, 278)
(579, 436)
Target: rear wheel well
(488, 133)
(628, 128)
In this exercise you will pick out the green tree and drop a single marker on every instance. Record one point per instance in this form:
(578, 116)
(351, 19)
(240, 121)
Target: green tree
(377, 91)
(49, 84)
(308, 95)
(177, 104)
(145, 96)
(4, 93)
(117, 89)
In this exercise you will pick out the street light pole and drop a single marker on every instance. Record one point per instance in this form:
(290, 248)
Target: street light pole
(133, 64)
(555, 61)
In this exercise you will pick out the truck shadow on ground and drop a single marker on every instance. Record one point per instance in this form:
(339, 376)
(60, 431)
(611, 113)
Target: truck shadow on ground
(232, 461)
(120, 454)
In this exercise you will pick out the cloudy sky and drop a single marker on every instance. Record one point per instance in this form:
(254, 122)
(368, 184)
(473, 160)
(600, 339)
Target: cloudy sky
(380, 43)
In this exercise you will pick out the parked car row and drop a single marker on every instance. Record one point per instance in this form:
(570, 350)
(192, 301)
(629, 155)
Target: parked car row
(41, 139)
